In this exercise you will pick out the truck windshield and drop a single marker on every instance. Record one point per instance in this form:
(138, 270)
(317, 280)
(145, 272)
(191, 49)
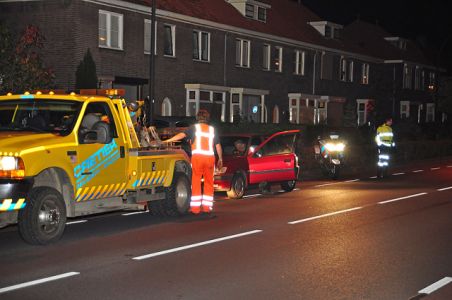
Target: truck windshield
(39, 115)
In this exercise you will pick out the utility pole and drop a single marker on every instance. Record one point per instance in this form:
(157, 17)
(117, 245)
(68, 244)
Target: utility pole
(151, 97)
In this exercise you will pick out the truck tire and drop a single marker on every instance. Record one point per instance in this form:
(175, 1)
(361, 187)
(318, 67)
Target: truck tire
(238, 184)
(288, 186)
(178, 195)
(43, 219)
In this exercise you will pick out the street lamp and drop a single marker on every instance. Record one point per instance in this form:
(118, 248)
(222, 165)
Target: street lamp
(151, 96)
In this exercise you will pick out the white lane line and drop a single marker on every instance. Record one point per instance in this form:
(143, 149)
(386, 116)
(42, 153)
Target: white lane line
(373, 177)
(326, 184)
(353, 180)
(397, 174)
(402, 198)
(254, 195)
(136, 213)
(36, 282)
(449, 166)
(76, 222)
(433, 169)
(196, 245)
(444, 189)
(435, 286)
(323, 216)
(417, 171)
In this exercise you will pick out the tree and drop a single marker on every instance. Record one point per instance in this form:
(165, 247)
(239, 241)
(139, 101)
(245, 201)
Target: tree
(21, 67)
(85, 76)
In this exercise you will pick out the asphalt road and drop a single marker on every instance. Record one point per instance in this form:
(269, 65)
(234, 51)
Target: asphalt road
(355, 238)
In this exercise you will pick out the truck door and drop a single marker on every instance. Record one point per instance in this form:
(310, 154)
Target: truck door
(274, 160)
(100, 171)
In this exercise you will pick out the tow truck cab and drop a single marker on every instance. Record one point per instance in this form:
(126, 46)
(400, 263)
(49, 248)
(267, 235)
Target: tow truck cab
(71, 155)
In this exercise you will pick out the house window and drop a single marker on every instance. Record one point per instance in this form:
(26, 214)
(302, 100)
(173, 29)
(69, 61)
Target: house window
(365, 73)
(343, 69)
(278, 59)
(363, 107)
(294, 111)
(350, 71)
(326, 62)
(431, 80)
(430, 112)
(266, 56)
(169, 40)
(299, 62)
(147, 37)
(212, 100)
(417, 78)
(166, 107)
(423, 80)
(404, 109)
(242, 53)
(320, 111)
(249, 11)
(261, 14)
(407, 76)
(110, 30)
(201, 45)
(328, 32)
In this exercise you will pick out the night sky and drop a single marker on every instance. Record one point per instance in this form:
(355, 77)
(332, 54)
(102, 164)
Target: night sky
(427, 22)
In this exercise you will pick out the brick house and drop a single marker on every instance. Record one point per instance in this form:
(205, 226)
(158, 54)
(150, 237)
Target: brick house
(263, 60)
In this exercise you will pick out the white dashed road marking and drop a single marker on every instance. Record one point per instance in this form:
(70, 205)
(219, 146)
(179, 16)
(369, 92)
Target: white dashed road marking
(417, 171)
(325, 215)
(353, 180)
(136, 213)
(76, 222)
(402, 198)
(435, 286)
(196, 245)
(444, 189)
(254, 195)
(433, 169)
(396, 174)
(36, 282)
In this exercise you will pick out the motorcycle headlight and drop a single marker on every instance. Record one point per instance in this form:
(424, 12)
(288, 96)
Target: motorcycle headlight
(335, 147)
(11, 167)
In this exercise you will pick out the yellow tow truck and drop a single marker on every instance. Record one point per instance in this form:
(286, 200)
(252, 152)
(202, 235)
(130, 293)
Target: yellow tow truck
(69, 155)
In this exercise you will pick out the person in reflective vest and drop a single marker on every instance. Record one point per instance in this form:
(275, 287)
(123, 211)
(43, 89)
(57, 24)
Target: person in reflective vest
(385, 142)
(203, 139)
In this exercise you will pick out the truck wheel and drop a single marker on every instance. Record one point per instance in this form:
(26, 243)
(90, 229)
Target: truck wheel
(288, 186)
(237, 187)
(43, 219)
(178, 195)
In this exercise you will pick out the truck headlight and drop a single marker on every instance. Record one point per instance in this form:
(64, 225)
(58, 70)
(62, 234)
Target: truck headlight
(11, 167)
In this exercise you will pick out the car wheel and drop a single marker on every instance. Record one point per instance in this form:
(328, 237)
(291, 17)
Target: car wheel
(43, 219)
(238, 185)
(288, 186)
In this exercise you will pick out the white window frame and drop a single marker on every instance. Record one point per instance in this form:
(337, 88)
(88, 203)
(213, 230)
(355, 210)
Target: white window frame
(108, 30)
(167, 108)
(254, 12)
(279, 51)
(365, 73)
(343, 69)
(350, 71)
(211, 89)
(173, 39)
(266, 62)
(245, 91)
(147, 40)
(430, 112)
(243, 59)
(200, 52)
(431, 80)
(407, 76)
(361, 120)
(299, 62)
(404, 109)
(294, 107)
(417, 78)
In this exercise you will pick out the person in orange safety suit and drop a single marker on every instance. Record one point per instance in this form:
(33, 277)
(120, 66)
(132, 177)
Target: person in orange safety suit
(203, 138)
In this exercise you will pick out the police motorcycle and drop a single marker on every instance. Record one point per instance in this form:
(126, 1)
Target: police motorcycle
(329, 153)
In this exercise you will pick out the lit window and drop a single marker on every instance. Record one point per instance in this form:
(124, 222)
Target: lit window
(278, 59)
(110, 30)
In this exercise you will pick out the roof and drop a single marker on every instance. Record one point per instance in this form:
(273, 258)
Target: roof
(289, 19)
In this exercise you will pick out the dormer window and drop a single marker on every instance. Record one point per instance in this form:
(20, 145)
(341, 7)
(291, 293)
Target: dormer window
(328, 29)
(252, 9)
(397, 42)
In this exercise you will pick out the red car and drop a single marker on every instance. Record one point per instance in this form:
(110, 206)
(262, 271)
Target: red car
(259, 161)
